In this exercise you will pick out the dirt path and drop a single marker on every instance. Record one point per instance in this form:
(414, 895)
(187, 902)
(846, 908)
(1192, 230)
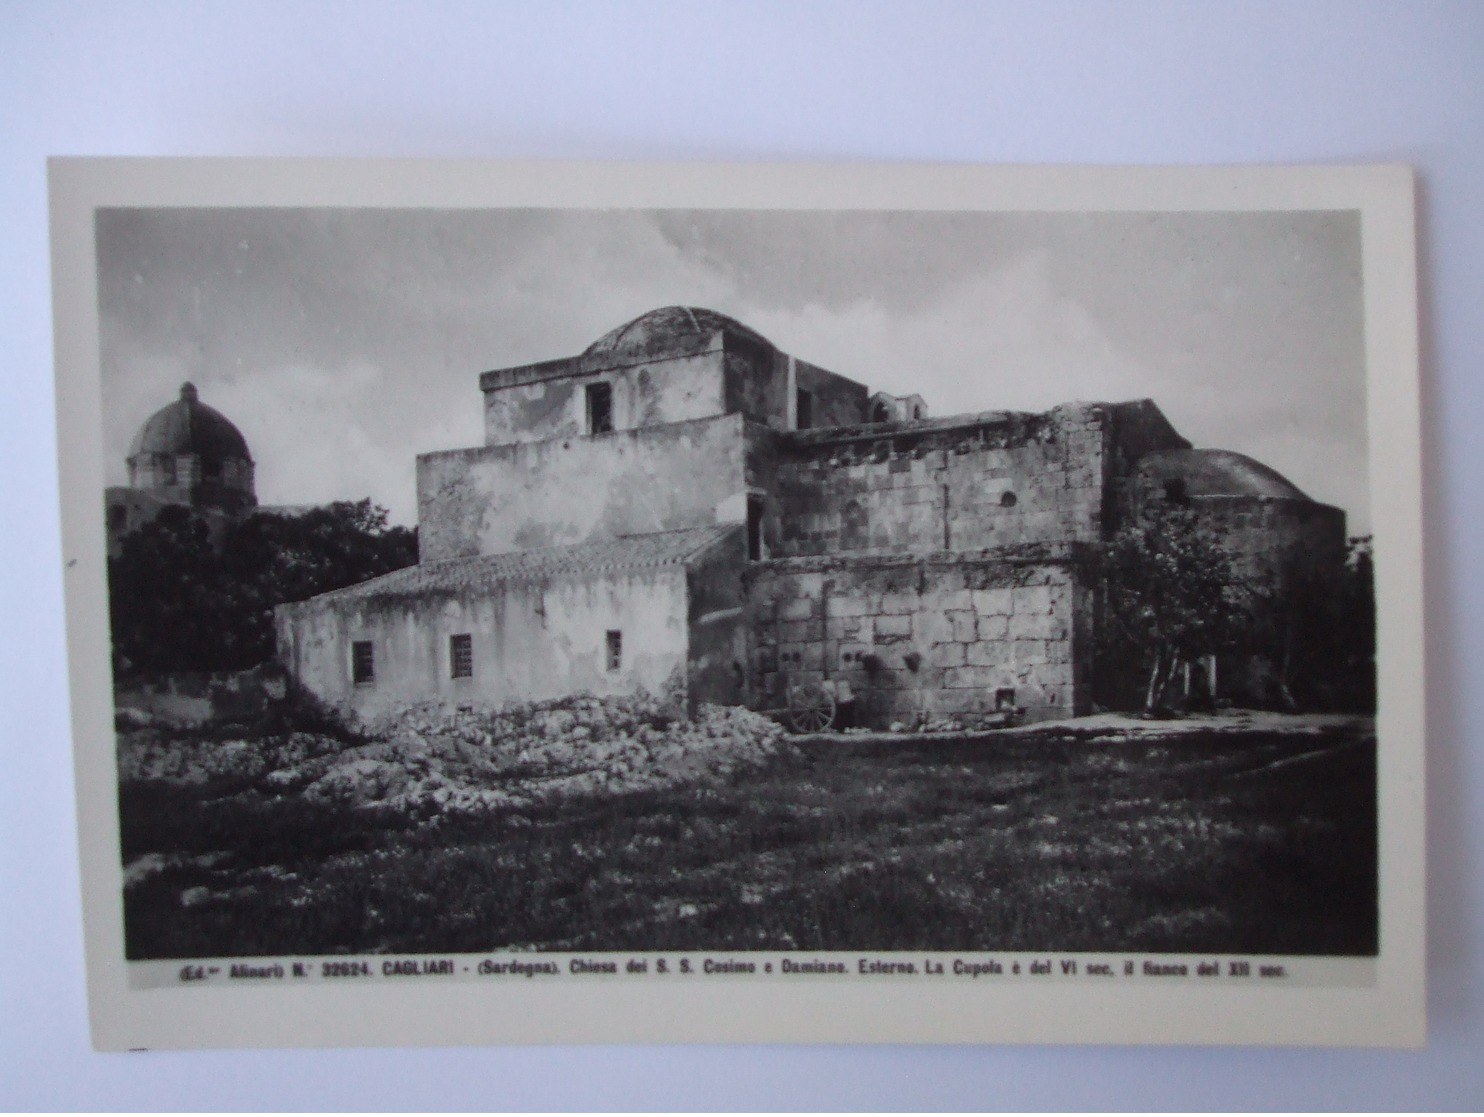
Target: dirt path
(1124, 727)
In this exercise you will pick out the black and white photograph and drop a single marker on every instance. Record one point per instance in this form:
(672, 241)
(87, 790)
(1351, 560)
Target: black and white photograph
(642, 590)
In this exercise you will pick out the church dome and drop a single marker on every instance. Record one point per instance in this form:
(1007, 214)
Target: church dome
(1219, 473)
(671, 331)
(188, 453)
(188, 426)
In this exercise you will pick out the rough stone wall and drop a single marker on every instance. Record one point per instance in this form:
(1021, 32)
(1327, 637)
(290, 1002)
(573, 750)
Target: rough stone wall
(920, 639)
(530, 640)
(1270, 538)
(496, 499)
(551, 402)
(1134, 429)
(1274, 539)
(837, 401)
(757, 382)
(1000, 479)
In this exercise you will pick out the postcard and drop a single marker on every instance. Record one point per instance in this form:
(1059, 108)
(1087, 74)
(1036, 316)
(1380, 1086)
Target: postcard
(566, 602)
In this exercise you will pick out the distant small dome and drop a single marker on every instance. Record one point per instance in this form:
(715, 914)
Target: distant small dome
(1218, 473)
(188, 426)
(670, 331)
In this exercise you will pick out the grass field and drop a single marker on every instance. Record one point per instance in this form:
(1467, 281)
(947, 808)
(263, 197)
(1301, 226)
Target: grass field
(1210, 842)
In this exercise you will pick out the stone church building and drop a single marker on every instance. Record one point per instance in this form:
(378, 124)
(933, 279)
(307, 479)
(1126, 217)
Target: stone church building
(684, 505)
(185, 454)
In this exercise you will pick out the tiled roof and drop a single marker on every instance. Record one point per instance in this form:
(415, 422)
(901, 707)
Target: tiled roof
(626, 552)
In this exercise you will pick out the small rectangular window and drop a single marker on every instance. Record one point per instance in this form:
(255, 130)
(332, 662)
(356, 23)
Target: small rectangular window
(461, 656)
(803, 410)
(599, 408)
(362, 662)
(615, 650)
(754, 528)
(1004, 698)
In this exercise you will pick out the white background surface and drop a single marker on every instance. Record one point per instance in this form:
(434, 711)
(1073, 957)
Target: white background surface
(986, 82)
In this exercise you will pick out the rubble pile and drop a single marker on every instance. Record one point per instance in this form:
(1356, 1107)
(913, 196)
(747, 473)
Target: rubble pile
(428, 759)
(164, 754)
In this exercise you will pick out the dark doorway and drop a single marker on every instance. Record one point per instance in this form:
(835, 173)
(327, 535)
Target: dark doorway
(599, 408)
(803, 410)
(754, 528)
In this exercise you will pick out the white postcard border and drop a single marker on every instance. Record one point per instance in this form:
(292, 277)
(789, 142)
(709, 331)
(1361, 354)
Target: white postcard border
(807, 1009)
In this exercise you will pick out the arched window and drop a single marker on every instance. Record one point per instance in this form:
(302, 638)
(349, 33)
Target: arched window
(880, 413)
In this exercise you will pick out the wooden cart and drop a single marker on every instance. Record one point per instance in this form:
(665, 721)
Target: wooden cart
(812, 707)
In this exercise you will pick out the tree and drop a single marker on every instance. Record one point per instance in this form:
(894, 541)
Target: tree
(170, 604)
(1326, 634)
(178, 603)
(1170, 594)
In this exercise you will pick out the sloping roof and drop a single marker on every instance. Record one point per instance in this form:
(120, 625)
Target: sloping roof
(480, 572)
(188, 426)
(1219, 473)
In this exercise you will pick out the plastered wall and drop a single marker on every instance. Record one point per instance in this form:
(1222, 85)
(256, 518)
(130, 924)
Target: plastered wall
(495, 499)
(530, 640)
(550, 401)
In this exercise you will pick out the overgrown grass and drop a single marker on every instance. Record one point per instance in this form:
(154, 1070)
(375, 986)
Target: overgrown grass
(1257, 844)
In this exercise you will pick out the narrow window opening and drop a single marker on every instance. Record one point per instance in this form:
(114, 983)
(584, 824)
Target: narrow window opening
(1004, 698)
(754, 528)
(880, 413)
(917, 413)
(803, 410)
(599, 408)
(461, 656)
(362, 662)
(615, 650)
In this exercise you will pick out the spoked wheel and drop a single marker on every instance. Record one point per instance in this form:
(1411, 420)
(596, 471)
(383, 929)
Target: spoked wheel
(811, 708)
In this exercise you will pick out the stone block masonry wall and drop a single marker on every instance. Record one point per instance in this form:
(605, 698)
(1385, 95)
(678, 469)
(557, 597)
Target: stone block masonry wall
(916, 640)
(986, 481)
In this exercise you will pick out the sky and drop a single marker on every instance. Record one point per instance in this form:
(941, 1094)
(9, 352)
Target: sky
(342, 343)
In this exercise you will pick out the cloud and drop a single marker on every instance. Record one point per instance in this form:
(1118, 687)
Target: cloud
(345, 342)
(1000, 340)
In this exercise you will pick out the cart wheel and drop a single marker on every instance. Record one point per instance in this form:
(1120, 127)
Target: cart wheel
(811, 708)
